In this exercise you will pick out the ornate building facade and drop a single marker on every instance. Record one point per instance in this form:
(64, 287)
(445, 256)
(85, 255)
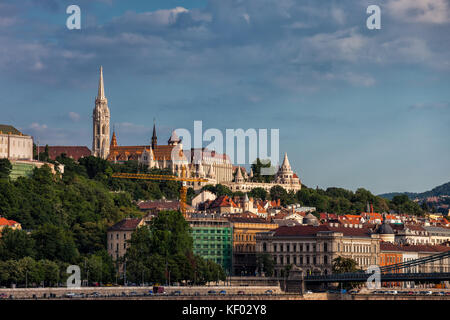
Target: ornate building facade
(285, 178)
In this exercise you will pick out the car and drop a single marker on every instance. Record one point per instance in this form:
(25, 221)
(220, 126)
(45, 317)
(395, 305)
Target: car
(428, 293)
(240, 292)
(269, 292)
(196, 293)
(308, 292)
(95, 294)
(212, 292)
(177, 293)
(410, 293)
(222, 292)
(150, 292)
(3, 296)
(447, 293)
(133, 293)
(70, 295)
(438, 293)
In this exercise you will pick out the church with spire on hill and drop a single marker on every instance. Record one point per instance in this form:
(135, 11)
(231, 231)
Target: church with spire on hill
(199, 163)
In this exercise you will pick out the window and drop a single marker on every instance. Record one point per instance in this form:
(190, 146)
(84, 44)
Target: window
(325, 247)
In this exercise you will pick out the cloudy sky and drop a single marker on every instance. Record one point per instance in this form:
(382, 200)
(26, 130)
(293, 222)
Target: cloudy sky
(355, 107)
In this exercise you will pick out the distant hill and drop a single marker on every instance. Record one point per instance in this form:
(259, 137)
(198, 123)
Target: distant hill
(442, 190)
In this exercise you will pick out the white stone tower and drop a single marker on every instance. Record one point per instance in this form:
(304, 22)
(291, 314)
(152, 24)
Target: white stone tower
(100, 117)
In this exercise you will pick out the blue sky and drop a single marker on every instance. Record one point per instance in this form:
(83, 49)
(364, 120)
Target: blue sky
(355, 107)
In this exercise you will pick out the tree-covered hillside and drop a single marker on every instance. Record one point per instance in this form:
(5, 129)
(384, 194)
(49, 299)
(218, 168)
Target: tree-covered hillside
(442, 190)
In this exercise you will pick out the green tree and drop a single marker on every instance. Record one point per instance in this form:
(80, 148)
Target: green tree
(259, 193)
(256, 168)
(94, 165)
(15, 244)
(5, 168)
(279, 193)
(55, 243)
(344, 265)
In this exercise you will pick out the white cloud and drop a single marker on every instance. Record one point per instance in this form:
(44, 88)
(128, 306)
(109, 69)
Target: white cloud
(74, 116)
(38, 127)
(161, 18)
(427, 11)
(246, 17)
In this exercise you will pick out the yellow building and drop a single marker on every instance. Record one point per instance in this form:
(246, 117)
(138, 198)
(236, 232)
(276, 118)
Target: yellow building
(244, 242)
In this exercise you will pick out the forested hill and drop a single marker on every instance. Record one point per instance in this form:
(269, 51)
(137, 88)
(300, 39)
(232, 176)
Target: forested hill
(442, 190)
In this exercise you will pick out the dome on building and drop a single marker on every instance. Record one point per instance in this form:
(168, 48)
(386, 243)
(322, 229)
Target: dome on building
(311, 220)
(385, 229)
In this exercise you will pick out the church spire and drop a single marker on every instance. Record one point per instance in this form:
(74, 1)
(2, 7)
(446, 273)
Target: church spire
(101, 86)
(114, 140)
(101, 117)
(154, 138)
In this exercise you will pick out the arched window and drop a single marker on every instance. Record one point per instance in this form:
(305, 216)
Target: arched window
(104, 129)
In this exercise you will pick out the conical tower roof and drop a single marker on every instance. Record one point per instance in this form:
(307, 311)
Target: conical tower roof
(101, 86)
(114, 140)
(286, 163)
(239, 176)
(174, 138)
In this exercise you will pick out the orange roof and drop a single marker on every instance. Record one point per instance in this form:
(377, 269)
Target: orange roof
(6, 222)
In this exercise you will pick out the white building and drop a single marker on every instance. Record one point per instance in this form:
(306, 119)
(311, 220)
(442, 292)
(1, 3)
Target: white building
(14, 145)
(285, 178)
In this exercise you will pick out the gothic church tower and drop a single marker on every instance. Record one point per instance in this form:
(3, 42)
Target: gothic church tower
(100, 117)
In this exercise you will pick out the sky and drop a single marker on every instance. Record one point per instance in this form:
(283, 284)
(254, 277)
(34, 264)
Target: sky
(355, 107)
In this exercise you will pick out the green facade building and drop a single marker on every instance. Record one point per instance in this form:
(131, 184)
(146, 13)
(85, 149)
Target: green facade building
(20, 169)
(213, 240)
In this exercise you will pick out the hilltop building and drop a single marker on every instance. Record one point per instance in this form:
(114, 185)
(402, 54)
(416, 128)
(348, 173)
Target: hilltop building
(284, 178)
(14, 145)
